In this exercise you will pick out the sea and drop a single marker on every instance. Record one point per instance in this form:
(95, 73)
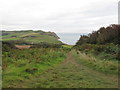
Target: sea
(70, 38)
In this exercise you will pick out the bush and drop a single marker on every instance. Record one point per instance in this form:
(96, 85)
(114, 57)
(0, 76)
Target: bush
(46, 45)
(107, 51)
(7, 46)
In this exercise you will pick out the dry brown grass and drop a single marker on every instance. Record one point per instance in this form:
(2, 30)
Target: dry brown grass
(23, 46)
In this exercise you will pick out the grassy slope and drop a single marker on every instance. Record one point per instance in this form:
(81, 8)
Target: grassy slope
(25, 64)
(38, 37)
(43, 38)
(71, 74)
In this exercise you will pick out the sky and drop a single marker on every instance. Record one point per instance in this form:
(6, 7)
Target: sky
(60, 16)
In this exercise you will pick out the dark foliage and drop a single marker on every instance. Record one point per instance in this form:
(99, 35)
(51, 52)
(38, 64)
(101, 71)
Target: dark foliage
(46, 45)
(6, 46)
(18, 42)
(110, 34)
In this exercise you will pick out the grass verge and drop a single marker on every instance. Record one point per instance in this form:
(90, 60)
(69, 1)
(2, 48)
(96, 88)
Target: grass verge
(106, 66)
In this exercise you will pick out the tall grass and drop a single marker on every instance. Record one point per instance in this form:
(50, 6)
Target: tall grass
(107, 66)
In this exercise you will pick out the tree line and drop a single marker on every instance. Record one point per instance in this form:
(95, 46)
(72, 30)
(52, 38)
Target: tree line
(110, 34)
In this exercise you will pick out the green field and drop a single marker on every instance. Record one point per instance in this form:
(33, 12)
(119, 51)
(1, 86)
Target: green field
(30, 36)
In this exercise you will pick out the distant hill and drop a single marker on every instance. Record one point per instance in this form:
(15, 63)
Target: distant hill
(33, 37)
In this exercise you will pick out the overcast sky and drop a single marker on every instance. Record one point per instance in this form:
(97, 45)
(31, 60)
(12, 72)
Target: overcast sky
(75, 16)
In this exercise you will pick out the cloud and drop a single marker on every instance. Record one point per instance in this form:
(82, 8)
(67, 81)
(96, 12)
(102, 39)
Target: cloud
(58, 15)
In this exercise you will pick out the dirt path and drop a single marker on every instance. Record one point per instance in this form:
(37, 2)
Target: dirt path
(70, 74)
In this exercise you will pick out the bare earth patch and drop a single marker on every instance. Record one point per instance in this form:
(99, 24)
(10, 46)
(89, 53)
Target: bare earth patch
(22, 46)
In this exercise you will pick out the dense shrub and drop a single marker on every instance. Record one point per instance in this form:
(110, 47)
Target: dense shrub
(46, 45)
(110, 34)
(7, 46)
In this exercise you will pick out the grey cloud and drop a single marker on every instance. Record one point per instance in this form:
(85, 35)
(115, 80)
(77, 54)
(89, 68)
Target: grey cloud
(35, 15)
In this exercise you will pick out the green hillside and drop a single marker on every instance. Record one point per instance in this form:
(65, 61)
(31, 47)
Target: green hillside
(32, 37)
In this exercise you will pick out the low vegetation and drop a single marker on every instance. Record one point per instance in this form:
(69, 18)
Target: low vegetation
(71, 73)
(19, 65)
(101, 51)
(102, 65)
